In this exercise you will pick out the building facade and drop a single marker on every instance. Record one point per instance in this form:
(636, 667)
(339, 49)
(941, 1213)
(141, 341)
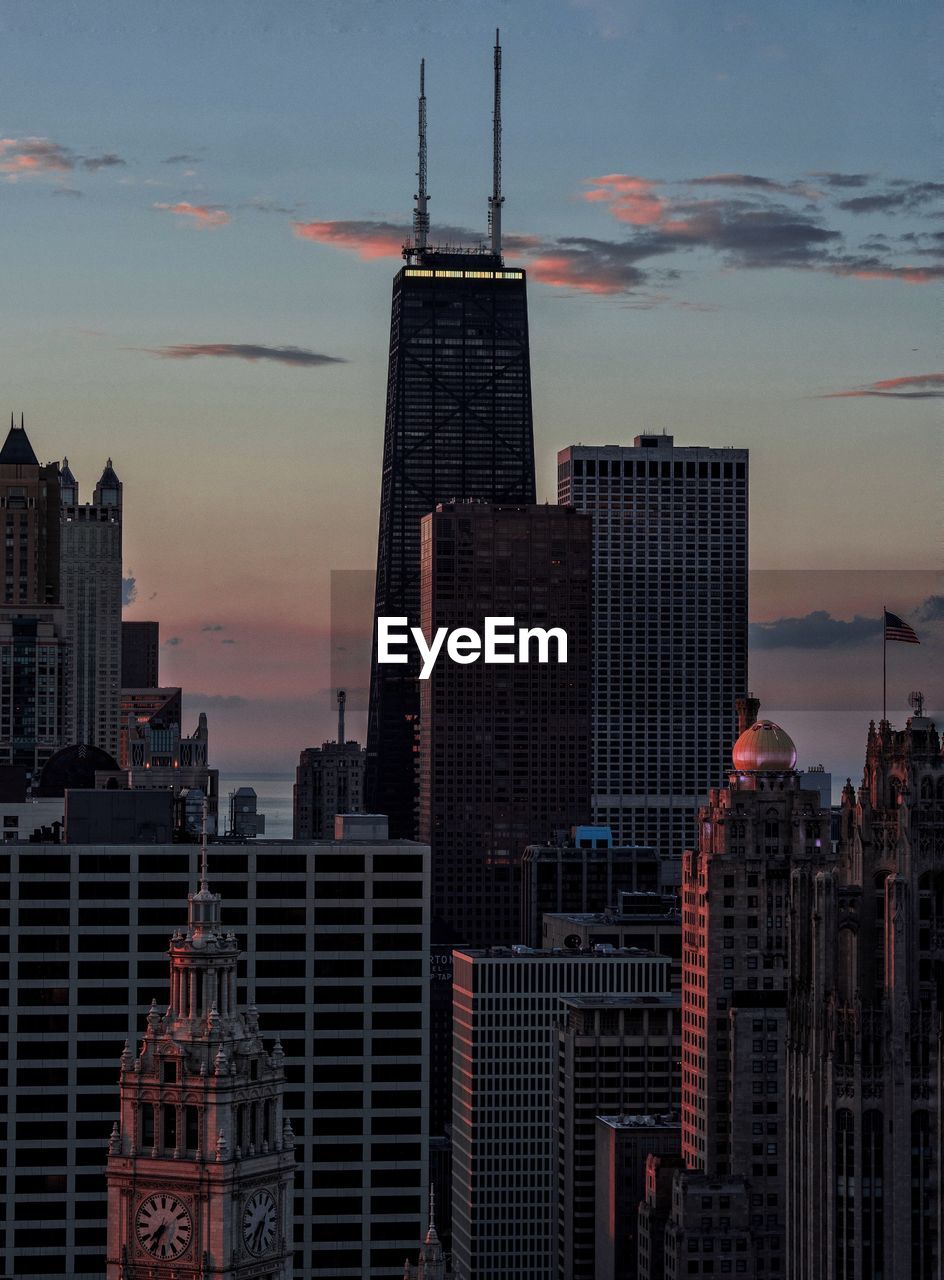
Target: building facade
(333, 940)
(623, 1144)
(669, 626)
(864, 1061)
(735, 948)
(329, 780)
(504, 747)
(613, 1052)
(90, 574)
(458, 426)
(201, 1161)
(507, 1004)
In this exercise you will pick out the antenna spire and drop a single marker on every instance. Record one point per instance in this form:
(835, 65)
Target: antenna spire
(204, 887)
(342, 698)
(420, 211)
(496, 199)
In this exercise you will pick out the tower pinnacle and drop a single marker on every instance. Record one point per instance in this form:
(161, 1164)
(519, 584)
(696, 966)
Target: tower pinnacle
(420, 212)
(496, 199)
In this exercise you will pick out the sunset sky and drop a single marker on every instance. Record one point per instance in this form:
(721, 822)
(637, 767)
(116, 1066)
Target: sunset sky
(733, 229)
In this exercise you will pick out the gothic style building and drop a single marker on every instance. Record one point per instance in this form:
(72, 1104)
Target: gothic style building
(201, 1164)
(864, 1059)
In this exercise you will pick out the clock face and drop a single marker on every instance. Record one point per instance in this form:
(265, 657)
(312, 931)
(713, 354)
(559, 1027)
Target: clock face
(163, 1225)
(259, 1222)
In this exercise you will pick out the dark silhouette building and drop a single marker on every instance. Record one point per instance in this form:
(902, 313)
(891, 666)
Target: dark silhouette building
(140, 648)
(458, 425)
(504, 747)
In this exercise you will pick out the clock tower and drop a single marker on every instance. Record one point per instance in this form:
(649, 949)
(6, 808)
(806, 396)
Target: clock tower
(201, 1164)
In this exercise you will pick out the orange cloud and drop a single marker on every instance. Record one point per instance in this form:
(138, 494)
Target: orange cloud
(916, 386)
(629, 198)
(367, 239)
(33, 155)
(203, 215)
(908, 275)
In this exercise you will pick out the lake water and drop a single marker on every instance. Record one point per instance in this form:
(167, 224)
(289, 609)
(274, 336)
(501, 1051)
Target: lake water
(275, 799)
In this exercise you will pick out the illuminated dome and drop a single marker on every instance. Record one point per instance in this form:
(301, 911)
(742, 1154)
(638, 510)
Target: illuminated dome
(764, 748)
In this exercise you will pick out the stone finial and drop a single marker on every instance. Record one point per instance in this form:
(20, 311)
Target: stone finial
(288, 1136)
(127, 1058)
(252, 1017)
(221, 1062)
(222, 1147)
(153, 1018)
(114, 1140)
(213, 1017)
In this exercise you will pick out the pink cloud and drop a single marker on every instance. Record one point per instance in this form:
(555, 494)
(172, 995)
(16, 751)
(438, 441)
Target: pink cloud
(916, 386)
(576, 271)
(33, 155)
(907, 275)
(629, 198)
(203, 215)
(367, 239)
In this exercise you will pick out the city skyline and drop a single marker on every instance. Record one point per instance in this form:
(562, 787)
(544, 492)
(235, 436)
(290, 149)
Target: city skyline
(725, 224)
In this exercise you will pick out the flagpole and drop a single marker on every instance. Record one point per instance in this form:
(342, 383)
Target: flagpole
(884, 652)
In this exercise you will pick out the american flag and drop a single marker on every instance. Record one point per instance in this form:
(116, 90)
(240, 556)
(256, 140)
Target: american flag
(897, 629)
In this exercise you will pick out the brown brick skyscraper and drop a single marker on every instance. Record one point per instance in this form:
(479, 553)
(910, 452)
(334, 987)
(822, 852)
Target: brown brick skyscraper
(504, 748)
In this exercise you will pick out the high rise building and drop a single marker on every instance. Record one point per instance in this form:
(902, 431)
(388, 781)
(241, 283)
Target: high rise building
(508, 1002)
(504, 747)
(432, 1264)
(864, 1063)
(333, 939)
(624, 1141)
(35, 659)
(140, 655)
(754, 834)
(458, 426)
(201, 1162)
(329, 780)
(90, 573)
(669, 627)
(613, 1052)
(139, 707)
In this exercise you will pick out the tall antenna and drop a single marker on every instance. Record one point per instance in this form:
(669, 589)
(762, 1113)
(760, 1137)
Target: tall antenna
(420, 212)
(496, 199)
(342, 698)
(204, 887)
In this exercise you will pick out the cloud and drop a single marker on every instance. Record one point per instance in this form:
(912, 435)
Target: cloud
(203, 215)
(592, 266)
(918, 386)
(213, 626)
(367, 239)
(220, 701)
(172, 641)
(816, 630)
(227, 642)
(107, 161)
(629, 198)
(261, 205)
(129, 590)
(833, 179)
(183, 158)
(67, 191)
(753, 182)
(931, 609)
(34, 155)
(300, 357)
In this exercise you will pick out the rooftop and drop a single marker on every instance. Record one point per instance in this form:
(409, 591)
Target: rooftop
(641, 1122)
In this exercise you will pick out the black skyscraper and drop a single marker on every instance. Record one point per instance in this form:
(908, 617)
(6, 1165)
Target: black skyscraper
(458, 425)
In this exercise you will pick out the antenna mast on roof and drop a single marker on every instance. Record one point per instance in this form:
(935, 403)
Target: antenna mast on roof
(420, 211)
(496, 199)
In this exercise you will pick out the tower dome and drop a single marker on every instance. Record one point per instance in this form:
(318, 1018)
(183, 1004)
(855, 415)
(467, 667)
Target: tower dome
(764, 748)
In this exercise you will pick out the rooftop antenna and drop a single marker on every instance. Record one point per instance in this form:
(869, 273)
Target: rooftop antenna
(496, 199)
(420, 211)
(204, 887)
(342, 698)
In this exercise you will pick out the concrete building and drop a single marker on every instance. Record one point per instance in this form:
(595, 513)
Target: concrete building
(623, 1144)
(329, 780)
(669, 627)
(613, 1052)
(29, 500)
(864, 1062)
(245, 820)
(90, 575)
(201, 1161)
(587, 875)
(507, 1006)
(140, 655)
(160, 757)
(735, 900)
(504, 747)
(334, 940)
(433, 1262)
(649, 921)
(138, 707)
(654, 1213)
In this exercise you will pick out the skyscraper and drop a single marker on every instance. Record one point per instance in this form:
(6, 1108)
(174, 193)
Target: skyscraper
(504, 748)
(669, 627)
(864, 1066)
(328, 780)
(754, 835)
(91, 594)
(458, 426)
(140, 654)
